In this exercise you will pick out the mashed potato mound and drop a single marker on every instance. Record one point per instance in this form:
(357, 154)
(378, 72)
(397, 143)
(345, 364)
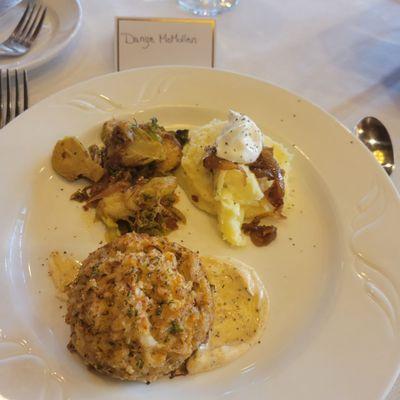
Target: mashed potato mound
(233, 196)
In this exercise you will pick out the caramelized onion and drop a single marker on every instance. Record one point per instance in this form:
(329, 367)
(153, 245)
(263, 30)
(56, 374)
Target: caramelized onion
(275, 193)
(213, 162)
(260, 235)
(266, 166)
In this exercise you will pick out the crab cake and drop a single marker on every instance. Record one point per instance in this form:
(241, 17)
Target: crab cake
(139, 308)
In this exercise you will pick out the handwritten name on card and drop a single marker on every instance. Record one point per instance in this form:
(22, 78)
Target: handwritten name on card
(164, 41)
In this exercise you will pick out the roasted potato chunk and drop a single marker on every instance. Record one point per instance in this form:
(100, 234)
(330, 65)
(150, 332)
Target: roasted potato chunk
(131, 145)
(71, 160)
(173, 154)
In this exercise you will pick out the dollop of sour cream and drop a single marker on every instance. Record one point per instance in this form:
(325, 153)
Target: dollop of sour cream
(241, 140)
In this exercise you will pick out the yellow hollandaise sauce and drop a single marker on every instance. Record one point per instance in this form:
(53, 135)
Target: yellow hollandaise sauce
(241, 308)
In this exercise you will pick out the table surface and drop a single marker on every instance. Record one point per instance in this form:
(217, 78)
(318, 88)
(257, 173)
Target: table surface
(342, 55)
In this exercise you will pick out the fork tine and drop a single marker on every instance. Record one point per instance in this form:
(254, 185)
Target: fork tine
(16, 83)
(8, 97)
(30, 22)
(27, 29)
(32, 34)
(1, 100)
(23, 19)
(7, 112)
(26, 94)
(26, 18)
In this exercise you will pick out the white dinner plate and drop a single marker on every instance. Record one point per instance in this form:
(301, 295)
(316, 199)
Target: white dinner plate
(332, 275)
(61, 24)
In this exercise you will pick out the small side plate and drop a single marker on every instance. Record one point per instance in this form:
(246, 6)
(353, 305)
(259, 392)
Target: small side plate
(62, 22)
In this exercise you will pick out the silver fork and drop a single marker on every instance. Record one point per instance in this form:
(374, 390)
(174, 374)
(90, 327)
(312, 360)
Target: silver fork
(12, 101)
(25, 33)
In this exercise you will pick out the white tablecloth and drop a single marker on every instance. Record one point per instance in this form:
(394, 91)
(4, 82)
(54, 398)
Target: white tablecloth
(343, 55)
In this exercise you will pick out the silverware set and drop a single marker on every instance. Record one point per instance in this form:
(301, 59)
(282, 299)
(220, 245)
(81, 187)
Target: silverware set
(25, 33)
(14, 83)
(13, 95)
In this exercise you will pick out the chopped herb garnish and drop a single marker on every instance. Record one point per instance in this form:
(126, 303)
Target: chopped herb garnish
(95, 269)
(148, 130)
(154, 123)
(175, 328)
(159, 310)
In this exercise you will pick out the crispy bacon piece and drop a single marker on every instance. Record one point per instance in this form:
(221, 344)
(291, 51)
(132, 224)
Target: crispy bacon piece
(260, 235)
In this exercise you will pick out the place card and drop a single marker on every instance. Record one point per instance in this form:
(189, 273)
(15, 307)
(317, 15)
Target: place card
(164, 41)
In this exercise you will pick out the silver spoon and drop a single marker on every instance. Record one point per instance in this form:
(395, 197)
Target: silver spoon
(375, 136)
